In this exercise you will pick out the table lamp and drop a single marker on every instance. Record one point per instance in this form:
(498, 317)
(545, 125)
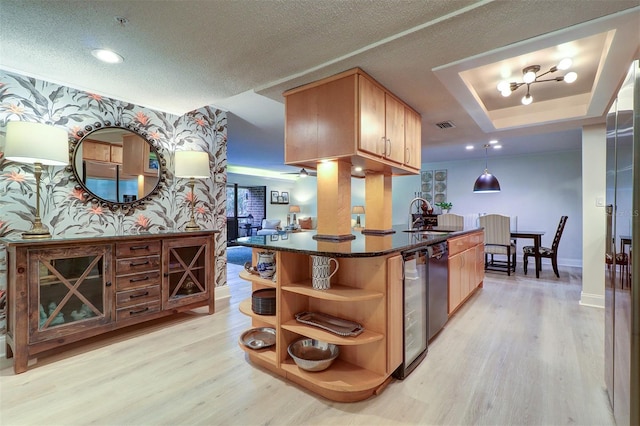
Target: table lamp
(38, 144)
(358, 210)
(192, 165)
(294, 209)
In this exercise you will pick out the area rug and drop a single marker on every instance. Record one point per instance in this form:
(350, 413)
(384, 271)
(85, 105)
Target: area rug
(238, 255)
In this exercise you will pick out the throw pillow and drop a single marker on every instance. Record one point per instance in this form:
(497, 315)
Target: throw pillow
(271, 223)
(305, 223)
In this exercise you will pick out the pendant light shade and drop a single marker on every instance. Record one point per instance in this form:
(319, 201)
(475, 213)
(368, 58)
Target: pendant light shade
(486, 182)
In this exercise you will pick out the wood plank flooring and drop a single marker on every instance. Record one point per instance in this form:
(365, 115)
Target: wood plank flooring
(521, 352)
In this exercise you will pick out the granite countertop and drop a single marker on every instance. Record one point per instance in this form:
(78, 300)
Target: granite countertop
(361, 246)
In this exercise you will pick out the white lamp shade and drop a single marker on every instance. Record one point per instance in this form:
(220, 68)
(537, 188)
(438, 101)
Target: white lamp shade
(192, 164)
(28, 142)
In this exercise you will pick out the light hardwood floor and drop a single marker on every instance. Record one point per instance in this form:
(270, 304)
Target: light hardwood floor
(521, 352)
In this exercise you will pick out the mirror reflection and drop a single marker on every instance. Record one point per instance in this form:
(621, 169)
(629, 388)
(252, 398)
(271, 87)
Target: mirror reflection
(116, 165)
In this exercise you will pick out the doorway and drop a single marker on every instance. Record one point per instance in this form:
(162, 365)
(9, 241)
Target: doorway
(246, 207)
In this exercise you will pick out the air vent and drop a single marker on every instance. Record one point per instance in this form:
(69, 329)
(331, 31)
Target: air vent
(446, 125)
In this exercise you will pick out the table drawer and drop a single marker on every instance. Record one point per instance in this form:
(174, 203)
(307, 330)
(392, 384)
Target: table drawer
(137, 310)
(137, 296)
(137, 248)
(137, 264)
(143, 279)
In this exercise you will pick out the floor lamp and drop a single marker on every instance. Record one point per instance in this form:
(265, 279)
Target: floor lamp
(192, 165)
(38, 144)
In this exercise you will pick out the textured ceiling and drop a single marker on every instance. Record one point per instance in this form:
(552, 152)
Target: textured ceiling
(241, 55)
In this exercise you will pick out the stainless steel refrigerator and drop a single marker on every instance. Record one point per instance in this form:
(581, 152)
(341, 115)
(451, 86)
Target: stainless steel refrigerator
(622, 287)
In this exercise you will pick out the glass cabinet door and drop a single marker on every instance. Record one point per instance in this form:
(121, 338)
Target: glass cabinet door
(73, 287)
(186, 276)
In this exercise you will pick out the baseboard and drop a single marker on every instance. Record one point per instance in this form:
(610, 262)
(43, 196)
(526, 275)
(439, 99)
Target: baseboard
(592, 300)
(3, 347)
(223, 297)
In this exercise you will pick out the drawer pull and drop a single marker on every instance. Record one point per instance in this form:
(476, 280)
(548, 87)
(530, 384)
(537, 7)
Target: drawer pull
(139, 248)
(135, 296)
(135, 280)
(139, 311)
(107, 284)
(139, 263)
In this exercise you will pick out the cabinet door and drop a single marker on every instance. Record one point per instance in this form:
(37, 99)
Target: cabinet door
(372, 117)
(96, 151)
(301, 126)
(394, 119)
(186, 276)
(395, 329)
(412, 139)
(479, 265)
(71, 290)
(456, 264)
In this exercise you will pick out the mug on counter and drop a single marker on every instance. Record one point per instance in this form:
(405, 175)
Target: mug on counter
(321, 272)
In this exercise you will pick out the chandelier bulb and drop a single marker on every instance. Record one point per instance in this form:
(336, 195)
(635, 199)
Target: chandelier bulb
(570, 77)
(527, 99)
(564, 64)
(529, 77)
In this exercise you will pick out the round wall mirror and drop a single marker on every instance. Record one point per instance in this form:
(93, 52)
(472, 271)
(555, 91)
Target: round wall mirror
(117, 167)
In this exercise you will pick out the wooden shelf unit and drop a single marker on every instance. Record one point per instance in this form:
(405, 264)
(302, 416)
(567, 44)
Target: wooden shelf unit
(362, 296)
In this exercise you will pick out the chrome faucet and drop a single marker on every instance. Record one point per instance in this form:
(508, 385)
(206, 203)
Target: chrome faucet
(429, 207)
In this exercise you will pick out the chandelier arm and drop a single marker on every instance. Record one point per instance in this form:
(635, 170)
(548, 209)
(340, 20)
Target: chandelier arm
(548, 79)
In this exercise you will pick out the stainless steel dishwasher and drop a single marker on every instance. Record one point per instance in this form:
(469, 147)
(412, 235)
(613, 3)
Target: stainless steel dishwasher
(438, 282)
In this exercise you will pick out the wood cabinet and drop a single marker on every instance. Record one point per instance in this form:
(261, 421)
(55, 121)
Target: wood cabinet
(137, 156)
(352, 117)
(360, 292)
(466, 267)
(101, 151)
(66, 290)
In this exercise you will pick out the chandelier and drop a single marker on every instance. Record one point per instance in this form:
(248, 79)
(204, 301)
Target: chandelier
(530, 76)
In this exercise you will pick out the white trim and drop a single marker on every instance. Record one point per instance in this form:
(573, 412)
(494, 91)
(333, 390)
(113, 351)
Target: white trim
(3, 346)
(223, 297)
(591, 300)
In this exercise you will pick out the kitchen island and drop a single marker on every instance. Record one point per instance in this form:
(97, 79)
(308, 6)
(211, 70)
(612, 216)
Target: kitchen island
(367, 289)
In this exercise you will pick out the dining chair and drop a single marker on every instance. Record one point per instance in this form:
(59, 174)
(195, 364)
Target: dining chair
(497, 241)
(449, 219)
(550, 253)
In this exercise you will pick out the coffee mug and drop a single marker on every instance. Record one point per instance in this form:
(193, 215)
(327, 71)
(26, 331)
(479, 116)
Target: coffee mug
(321, 272)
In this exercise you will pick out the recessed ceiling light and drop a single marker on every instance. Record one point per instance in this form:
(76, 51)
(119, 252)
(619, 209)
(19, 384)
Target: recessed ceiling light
(468, 147)
(493, 142)
(497, 146)
(358, 169)
(107, 56)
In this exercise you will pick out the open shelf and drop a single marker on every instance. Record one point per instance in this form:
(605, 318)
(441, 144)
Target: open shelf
(245, 308)
(256, 279)
(337, 292)
(341, 376)
(367, 336)
(266, 354)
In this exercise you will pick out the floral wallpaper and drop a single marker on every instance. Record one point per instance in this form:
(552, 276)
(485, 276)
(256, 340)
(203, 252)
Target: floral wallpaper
(62, 208)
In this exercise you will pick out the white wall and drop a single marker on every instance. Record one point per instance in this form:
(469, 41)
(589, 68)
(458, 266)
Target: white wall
(594, 159)
(537, 188)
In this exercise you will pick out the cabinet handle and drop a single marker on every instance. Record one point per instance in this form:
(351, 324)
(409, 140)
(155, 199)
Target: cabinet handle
(166, 274)
(135, 296)
(138, 312)
(107, 284)
(139, 263)
(139, 248)
(133, 280)
(408, 155)
(385, 148)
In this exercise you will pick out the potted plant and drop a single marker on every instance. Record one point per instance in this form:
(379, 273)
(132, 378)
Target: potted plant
(445, 206)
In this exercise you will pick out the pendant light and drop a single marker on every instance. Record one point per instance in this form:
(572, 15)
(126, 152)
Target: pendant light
(486, 182)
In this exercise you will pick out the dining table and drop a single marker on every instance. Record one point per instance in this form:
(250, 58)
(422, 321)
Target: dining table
(536, 236)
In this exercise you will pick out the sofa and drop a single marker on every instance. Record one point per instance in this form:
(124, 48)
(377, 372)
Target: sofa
(269, 227)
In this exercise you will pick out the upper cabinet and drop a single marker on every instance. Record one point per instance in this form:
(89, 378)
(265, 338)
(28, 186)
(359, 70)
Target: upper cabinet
(352, 117)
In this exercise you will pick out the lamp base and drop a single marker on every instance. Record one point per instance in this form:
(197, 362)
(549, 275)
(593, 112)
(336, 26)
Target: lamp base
(37, 232)
(192, 226)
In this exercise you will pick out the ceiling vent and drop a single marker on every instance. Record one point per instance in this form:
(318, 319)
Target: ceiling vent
(445, 125)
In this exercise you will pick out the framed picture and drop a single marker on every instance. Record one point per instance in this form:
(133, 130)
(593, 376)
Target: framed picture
(285, 197)
(274, 197)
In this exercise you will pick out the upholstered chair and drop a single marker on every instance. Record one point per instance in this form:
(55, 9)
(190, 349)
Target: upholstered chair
(497, 241)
